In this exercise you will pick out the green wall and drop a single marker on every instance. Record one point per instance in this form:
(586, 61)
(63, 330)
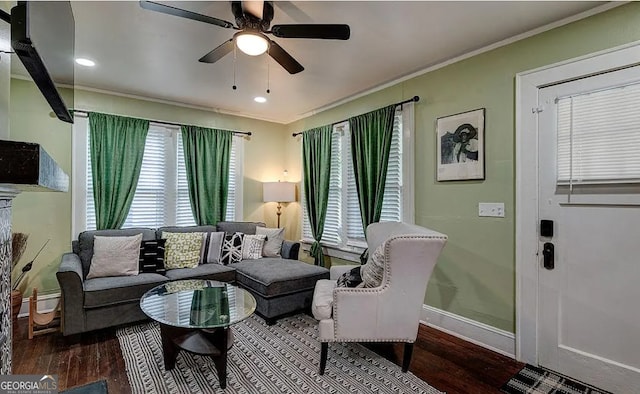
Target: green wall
(46, 215)
(475, 276)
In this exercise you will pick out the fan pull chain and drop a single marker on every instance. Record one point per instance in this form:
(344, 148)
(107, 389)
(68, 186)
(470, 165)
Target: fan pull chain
(268, 89)
(235, 55)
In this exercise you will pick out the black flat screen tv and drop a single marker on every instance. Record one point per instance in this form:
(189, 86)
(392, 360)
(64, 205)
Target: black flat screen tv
(43, 37)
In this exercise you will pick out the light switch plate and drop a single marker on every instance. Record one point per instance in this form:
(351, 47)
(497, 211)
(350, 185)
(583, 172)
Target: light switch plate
(492, 209)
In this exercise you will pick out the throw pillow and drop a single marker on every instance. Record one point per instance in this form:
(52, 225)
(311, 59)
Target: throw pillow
(182, 250)
(152, 256)
(115, 256)
(373, 272)
(211, 247)
(252, 246)
(231, 248)
(273, 244)
(350, 278)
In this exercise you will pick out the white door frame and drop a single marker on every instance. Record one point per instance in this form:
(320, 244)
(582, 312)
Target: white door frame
(527, 85)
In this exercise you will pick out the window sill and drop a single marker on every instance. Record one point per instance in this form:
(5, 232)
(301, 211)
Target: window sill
(349, 253)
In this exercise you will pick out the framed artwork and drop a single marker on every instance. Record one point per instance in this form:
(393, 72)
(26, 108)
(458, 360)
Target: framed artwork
(460, 146)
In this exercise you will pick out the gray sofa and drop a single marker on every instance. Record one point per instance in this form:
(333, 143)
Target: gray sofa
(280, 285)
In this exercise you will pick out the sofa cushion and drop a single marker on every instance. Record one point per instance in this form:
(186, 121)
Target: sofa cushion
(85, 242)
(322, 304)
(182, 250)
(275, 238)
(115, 256)
(231, 249)
(252, 246)
(271, 277)
(204, 271)
(152, 256)
(211, 247)
(184, 229)
(118, 289)
(239, 227)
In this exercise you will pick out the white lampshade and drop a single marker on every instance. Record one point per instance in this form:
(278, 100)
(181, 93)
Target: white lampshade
(278, 192)
(252, 43)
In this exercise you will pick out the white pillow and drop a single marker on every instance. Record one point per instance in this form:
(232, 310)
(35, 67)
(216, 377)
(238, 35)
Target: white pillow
(273, 244)
(115, 256)
(252, 246)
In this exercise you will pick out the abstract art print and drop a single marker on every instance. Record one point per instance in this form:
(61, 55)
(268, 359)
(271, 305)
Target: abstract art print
(460, 146)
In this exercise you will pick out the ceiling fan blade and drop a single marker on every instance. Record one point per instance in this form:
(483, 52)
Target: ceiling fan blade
(167, 9)
(218, 53)
(253, 7)
(327, 32)
(284, 59)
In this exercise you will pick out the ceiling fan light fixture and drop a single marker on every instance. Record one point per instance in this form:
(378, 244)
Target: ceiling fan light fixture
(252, 43)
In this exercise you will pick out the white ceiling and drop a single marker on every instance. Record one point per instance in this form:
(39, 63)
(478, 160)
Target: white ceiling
(148, 54)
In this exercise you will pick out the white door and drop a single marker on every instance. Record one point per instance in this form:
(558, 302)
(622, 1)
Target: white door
(589, 186)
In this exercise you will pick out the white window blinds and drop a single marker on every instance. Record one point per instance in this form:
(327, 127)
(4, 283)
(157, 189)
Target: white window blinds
(184, 215)
(343, 225)
(598, 136)
(333, 222)
(162, 194)
(233, 179)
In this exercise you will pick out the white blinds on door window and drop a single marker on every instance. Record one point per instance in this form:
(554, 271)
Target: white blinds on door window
(599, 136)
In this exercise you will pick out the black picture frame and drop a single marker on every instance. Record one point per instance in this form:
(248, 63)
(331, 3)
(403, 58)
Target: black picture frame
(460, 146)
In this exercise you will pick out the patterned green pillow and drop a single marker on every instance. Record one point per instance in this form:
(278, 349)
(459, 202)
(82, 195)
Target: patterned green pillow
(182, 250)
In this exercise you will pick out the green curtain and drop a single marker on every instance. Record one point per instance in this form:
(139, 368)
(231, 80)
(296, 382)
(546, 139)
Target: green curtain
(117, 149)
(370, 145)
(206, 155)
(316, 162)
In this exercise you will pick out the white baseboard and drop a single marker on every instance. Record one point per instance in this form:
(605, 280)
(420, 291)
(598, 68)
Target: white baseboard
(46, 303)
(481, 334)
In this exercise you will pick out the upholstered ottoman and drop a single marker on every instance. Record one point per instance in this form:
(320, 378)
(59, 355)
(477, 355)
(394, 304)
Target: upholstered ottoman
(280, 286)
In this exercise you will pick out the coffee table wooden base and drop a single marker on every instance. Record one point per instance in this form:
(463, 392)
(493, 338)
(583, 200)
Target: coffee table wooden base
(205, 342)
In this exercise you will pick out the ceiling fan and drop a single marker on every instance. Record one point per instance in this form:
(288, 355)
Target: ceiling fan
(253, 19)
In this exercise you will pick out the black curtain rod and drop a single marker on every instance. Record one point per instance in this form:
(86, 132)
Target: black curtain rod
(79, 111)
(5, 16)
(412, 99)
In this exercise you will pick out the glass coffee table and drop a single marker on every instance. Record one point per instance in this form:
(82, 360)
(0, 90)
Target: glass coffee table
(196, 316)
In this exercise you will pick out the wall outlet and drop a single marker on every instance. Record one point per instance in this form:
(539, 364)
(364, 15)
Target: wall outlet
(493, 209)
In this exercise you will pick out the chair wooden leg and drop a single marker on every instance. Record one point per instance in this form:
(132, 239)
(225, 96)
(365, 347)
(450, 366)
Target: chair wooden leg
(324, 347)
(406, 358)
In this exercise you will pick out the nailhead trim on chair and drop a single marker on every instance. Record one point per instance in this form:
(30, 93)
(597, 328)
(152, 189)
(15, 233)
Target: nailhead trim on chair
(381, 289)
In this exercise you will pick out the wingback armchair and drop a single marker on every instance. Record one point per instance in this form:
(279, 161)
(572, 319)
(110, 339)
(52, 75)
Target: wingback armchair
(390, 312)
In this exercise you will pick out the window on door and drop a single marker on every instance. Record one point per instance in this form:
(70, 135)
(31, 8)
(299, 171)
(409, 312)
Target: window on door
(162, 195)
(598, 136)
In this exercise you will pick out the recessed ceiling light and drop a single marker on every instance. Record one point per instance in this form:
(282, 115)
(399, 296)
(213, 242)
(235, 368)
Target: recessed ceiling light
(85, 62)
(260, 99)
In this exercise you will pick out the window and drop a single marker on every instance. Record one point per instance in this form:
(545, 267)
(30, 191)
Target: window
(598, 136)
(343, 224)
(162, 194)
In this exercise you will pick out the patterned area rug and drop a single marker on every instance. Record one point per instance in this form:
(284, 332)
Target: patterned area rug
(282, 358)
(535, 380)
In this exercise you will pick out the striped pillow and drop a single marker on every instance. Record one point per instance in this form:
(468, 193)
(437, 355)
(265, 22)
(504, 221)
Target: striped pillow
(152, 256)
(211, 247)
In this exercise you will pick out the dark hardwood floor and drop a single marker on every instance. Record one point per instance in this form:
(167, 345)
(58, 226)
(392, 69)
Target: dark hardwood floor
(444, 361)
